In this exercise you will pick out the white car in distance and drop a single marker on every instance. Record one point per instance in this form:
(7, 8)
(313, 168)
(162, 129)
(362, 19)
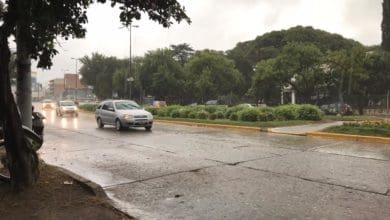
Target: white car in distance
(122, 114)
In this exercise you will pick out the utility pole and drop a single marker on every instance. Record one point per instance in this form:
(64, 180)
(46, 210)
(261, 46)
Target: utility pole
(130, 78)
(77, 77)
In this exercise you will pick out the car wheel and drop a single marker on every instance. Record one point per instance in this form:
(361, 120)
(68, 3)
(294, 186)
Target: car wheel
(100, 123)
(148, 128)
(118, 125)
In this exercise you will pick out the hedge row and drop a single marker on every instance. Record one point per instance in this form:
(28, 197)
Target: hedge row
(88, 107)
(281, 113)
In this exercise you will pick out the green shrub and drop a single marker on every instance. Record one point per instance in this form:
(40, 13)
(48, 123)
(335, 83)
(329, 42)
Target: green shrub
(171, 108)
(153, 110)
(184, 112)
(220, 115)
(175, 113)
(286, 112)
(234, 116)
(192, 114)
(309, 112)
(88, 107)
(248, 114)
(162, 112)
(212, 116)
(232, 110)
(211, 109)
(266, 114)
(202, 115)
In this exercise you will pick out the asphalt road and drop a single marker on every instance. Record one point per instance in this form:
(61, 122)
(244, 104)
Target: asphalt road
(181, 172)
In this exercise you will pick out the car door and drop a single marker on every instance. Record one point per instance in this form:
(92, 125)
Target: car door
(111, 116)
(104, 113)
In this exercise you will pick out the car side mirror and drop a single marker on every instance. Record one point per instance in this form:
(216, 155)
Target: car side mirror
(111, 109)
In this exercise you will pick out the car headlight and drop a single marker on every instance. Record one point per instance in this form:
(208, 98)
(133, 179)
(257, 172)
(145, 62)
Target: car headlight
(128, 117)
(150, 117)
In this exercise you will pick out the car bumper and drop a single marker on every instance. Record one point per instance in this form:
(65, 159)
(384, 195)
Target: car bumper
(138, 123)
(69, 111)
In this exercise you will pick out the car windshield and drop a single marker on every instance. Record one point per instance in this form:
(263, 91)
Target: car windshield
(67, 104)
(126, 105)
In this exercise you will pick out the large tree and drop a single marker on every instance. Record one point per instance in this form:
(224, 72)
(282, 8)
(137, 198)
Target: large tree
(182, 52)
(299, 65)
(212, 75)
(161, 75)
(386, 25)
(36, 25)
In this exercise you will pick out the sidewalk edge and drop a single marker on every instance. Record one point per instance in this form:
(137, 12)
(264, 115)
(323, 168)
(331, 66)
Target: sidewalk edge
(361, 138)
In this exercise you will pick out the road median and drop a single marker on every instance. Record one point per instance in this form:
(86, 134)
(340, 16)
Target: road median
(352, 137)
(198, 124)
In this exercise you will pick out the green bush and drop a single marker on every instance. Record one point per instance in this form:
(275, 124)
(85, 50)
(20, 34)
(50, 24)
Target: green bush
(175, 113)
(232, 110)
(211, 109)
(286, 112)
(249, 114)
(234, 116)
(162, 112)
(309, 112)
(212, 116)
(184, 112)
(266, 114)
(153, 110)
(220, 115)
(202, 115)
(172, 108)
(88, 107)
(192, 114)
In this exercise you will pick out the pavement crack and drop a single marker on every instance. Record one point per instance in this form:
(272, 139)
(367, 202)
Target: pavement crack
(244, 161)
(162, 176)
(387, 193)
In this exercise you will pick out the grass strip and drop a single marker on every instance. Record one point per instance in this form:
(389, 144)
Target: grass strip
(267, 124)
(360, 130)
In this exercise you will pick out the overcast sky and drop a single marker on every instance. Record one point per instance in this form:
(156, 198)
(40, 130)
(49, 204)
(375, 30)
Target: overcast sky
(219, 25)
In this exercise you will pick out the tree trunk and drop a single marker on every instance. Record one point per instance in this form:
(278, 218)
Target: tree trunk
(340, 92)
(22, 160)
(386, 25)
(23, 79)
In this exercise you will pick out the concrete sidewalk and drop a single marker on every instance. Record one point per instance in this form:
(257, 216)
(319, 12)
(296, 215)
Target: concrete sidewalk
(303, 129)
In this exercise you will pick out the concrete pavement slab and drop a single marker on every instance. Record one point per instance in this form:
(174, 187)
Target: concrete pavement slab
(232, 192)
(351, 172)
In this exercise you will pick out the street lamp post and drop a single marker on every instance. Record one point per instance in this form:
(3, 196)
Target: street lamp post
(130, 79)
(77, 77)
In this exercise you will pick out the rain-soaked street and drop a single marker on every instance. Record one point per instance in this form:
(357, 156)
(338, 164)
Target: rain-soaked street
(181, 172)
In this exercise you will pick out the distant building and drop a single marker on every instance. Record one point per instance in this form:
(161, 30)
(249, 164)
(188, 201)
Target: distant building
(72, 81)
(56, 88)
(76, 90)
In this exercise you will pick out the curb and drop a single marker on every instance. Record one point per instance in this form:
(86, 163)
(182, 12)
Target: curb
(352, 137)
(95, 188)
(236, 127)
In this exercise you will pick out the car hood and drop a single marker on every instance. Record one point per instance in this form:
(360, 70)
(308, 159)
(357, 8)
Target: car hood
(134, 112)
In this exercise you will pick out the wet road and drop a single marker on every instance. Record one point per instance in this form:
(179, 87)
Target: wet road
(180, 172)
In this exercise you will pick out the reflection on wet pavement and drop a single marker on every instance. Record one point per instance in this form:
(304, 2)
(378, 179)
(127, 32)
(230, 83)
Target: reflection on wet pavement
(254, 172)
